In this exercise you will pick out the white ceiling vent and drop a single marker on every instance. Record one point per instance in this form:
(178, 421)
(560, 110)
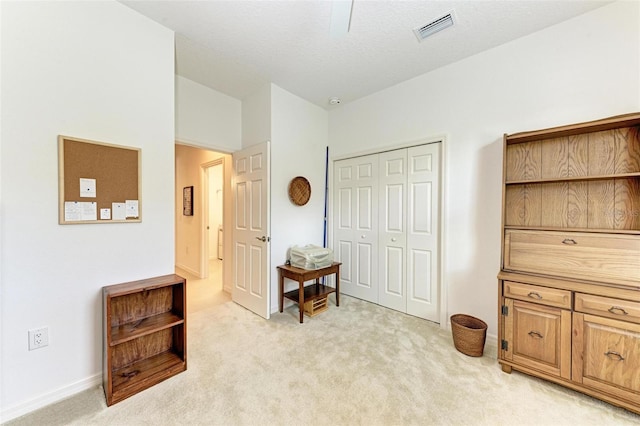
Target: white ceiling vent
(434, 26)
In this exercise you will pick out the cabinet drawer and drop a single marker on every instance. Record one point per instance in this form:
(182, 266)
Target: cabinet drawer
(624, 310)
(597, 257)
(533, 293)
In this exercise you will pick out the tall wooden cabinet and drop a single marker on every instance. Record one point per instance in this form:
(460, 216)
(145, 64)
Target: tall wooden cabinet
(145, 334)
(569, 285)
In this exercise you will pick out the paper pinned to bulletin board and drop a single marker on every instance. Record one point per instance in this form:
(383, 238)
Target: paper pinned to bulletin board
(98, 182)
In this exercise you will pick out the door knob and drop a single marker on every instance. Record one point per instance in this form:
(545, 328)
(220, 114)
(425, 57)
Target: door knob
(393, 240)
(263, 239)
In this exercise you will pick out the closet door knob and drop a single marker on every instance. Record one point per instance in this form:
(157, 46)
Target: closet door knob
(363, 236)
(393, 240)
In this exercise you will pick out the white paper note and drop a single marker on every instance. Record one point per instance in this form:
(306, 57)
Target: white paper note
(89, 210)
(105, 214)
(72, 211)
(132, 208)
(80, 210)
(119, 211)
(87, 188)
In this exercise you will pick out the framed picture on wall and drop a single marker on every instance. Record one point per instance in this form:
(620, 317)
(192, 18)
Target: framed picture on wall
(187, 201)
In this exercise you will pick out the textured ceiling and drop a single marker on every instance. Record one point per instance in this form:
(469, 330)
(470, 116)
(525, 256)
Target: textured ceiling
(237, 46)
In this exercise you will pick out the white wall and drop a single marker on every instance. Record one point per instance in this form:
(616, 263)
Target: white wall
(298, 148)
(94, 70)
(207, 118)
(583, 69)
(256, 117)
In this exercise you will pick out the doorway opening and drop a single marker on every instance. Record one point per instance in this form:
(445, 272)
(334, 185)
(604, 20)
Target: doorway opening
(200, 243)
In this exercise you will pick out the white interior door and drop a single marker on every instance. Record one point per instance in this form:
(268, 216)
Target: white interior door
(356, 225)
(392, 231)
(423, 235)
(250, 188)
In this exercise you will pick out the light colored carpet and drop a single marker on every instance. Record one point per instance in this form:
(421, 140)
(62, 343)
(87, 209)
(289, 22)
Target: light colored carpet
(357, 364)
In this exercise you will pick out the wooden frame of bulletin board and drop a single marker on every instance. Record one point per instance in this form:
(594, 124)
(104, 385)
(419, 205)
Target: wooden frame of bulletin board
(98, 182)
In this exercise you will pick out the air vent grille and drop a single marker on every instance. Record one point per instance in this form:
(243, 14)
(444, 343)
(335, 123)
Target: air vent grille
(434, 26)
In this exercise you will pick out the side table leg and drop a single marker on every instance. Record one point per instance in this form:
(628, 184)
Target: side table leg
(301, 300)
(281, 292)
(338, 287)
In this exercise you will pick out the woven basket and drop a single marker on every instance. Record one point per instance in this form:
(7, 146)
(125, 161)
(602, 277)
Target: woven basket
(469, 334)
(299, 191)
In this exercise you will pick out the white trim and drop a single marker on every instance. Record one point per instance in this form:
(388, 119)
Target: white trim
(201, 145)
(444, 203)
(491, 345)
(50, 397)
(399, 145)
(189, 270)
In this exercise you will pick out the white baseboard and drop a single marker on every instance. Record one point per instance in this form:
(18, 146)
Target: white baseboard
(49, 398)
(491, 345)
(189, 270)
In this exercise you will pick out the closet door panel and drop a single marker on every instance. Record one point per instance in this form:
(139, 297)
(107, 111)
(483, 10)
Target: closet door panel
(392, 183)
(423, 182)
(356, 223)
(419, 267)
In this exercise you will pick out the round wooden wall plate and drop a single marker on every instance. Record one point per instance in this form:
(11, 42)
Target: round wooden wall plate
(299, 191)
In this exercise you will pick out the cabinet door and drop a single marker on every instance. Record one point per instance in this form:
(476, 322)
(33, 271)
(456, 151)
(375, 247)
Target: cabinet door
(356, 225)
(538, 337)
(605, 355)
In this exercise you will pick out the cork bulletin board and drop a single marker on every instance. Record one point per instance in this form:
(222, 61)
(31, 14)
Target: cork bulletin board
(98, 182)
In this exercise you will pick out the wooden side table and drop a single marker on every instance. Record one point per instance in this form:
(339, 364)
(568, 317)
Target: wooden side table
(311, 292)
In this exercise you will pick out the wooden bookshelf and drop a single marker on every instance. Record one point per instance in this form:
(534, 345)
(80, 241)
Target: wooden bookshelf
(145, 334)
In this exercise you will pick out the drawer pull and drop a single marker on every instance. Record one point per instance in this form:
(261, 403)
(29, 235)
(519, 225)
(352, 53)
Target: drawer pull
(534, 295)
(614, 356)
(569, 241)
(617, 310)
(535, 334)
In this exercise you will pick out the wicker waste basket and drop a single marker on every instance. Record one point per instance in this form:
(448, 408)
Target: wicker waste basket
(469, 334)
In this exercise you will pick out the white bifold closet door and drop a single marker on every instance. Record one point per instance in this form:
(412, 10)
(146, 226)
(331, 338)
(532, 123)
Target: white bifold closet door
(386, 228)
(356, 226)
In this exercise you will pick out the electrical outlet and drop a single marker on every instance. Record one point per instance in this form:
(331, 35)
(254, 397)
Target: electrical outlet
(38, 338)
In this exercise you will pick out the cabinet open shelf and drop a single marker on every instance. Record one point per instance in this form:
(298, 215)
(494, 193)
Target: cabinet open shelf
(144, 326)
(573, 178)
(140, 375)
(311, 292)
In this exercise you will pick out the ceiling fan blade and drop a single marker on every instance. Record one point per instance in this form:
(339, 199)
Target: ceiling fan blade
(340, 18)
